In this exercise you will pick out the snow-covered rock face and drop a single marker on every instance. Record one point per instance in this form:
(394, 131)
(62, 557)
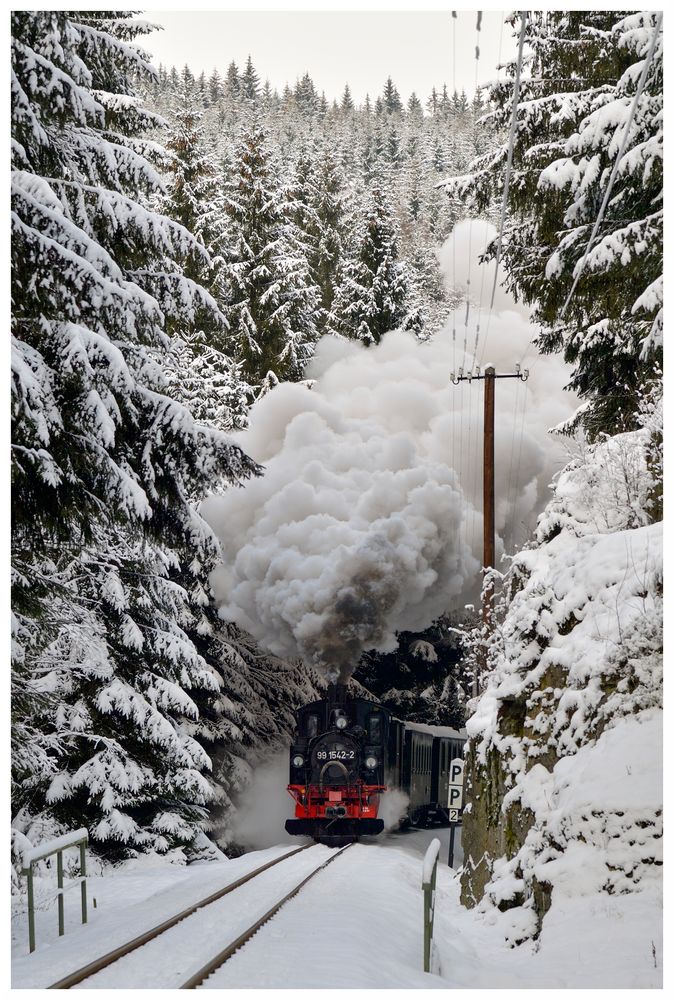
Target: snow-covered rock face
(565, 762)
(359, 527)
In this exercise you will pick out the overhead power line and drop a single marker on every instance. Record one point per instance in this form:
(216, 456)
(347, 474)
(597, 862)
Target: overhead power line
(511, 146)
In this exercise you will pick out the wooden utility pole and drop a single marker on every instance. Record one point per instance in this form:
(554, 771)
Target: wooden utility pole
(488, 529)
(489, 377)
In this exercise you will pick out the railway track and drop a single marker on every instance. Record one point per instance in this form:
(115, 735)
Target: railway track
(216, 963)
(127, 954)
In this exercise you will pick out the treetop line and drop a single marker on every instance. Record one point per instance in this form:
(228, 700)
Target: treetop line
(245, 87)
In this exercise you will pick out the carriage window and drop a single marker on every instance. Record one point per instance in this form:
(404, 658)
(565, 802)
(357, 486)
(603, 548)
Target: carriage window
(374, 727)
(312, 726)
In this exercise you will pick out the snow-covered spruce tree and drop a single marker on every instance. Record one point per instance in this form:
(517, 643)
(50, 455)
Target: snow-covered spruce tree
(192, 181)
(250, 83)
(273, 307)
(198, 370)
(208, 383)
(232, 86)
(423, 680)
(377, 292)
(104, 462)
(318, 197)
(583, 70)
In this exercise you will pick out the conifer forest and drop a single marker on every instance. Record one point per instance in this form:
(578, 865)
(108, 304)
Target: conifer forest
(249, 329)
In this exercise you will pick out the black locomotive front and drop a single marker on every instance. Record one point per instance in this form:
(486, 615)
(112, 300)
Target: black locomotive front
(338, 765)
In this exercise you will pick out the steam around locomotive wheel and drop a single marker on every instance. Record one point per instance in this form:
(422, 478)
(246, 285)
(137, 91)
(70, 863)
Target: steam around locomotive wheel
(348, 751)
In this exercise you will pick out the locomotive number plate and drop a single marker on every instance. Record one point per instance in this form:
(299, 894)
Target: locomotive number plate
(335, 755)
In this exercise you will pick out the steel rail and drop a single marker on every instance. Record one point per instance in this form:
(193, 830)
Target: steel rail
(198, 978)
(74, 978)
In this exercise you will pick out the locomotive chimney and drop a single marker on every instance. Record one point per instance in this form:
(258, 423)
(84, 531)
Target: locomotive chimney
(336, 693)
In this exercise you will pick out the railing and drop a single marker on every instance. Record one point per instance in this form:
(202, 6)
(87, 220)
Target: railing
(428, 880)
(79, 838)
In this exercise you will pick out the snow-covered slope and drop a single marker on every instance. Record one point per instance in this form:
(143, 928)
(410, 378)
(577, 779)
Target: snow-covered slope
(565, 761)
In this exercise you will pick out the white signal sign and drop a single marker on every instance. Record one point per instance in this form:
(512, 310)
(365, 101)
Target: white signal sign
(456, 767)
(455, 790)
(455, 797)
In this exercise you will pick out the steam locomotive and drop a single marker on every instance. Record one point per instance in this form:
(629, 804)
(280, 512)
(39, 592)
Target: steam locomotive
(348, 751)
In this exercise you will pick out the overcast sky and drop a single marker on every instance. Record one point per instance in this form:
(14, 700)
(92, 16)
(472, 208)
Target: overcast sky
(363, 48)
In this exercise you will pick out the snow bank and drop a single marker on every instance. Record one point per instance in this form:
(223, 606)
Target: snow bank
(590, 602)
(598, 812)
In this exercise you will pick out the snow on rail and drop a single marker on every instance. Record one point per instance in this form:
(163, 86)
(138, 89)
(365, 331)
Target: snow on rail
(430, 858)
(52, 846)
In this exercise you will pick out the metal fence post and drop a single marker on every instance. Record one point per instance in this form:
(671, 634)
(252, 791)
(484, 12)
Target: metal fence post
(428, 886)
(31, 908)
(83, 884)
(427, 929)
(59, 883)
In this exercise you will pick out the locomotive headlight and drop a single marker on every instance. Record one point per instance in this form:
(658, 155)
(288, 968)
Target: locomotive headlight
(342, 722)
(298, 760)
(371, 763)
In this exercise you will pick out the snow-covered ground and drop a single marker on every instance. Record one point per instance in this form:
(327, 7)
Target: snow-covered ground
(357, 924)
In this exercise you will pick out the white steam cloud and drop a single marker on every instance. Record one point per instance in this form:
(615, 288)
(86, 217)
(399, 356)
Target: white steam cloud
(264, 805)
(367, 519)
(392, 808)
